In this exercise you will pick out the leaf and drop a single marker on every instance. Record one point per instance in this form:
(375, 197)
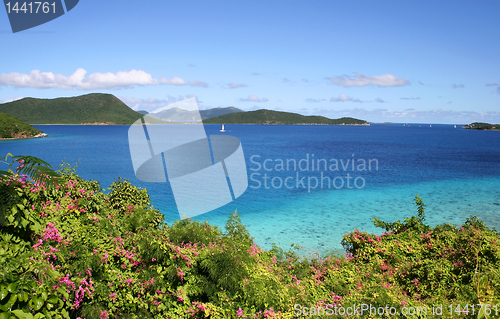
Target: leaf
(36, 303)
(11, 302)
(3, 291)
(21, 314)
(12, 287)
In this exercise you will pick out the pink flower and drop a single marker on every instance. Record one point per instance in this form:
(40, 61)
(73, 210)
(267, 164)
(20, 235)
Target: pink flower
(239, 313)
(52, 233)
(35, 247)
(180, 273)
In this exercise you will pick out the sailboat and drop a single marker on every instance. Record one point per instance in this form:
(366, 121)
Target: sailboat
(455, 126)
(222, 130)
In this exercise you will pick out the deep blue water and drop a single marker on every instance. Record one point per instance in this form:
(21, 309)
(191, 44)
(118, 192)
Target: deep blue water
(455, 171)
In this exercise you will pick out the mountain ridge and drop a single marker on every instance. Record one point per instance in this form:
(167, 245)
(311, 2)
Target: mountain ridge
(91, 108)
(269, 117)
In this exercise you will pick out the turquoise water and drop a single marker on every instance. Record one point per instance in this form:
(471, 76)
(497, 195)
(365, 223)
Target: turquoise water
(456, 172)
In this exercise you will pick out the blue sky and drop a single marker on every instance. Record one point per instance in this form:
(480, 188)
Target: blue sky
(397, 61)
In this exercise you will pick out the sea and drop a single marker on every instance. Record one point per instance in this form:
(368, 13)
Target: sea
(308, 185)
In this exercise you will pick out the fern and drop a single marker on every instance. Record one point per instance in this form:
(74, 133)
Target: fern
(39, 171)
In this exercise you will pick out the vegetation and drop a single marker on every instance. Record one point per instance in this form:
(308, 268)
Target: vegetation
(70, 250)
(86, 109)
(176, 114)
(219, 111)
(11, 127)
(482, 126)
(275, 117)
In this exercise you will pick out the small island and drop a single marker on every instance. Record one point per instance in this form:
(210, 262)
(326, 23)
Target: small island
(268, 117)
(482, 126)
(13, 128)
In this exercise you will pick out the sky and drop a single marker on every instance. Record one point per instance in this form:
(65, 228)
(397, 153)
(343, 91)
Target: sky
(381, 61)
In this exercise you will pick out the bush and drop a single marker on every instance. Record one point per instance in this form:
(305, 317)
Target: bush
(69, 250)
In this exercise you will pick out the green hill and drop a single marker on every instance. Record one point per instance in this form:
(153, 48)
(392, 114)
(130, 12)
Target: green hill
(176, 114)
(275, 117)
(219, 111)
(482, 126)
(10, 127)
(92, 108)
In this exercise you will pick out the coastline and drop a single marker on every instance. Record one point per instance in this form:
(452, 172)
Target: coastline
(24, 138)
(110, 124)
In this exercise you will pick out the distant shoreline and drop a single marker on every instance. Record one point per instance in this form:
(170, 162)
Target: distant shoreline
(169, 123)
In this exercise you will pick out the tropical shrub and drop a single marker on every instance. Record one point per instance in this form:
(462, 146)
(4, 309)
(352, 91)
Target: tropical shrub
(68, 249)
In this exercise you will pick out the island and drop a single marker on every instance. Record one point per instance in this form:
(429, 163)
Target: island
(482, 126)
(13, 128)
(94, 108)
(280, 118)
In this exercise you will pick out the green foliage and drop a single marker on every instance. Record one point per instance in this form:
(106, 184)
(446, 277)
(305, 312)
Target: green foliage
(74, 251)
(275, 117)
(11, 127)
(90, 108)
(124, 194)
(414, 223)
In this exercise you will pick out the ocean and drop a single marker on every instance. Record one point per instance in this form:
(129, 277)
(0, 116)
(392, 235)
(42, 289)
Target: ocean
(309, 185)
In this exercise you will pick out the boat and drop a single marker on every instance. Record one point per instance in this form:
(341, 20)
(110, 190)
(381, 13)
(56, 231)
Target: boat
(430, 125)
(222, 130)
(455, 126)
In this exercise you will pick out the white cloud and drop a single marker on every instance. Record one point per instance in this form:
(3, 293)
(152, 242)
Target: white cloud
(233, 85)
(311, 100)
(78, 80)
(385, 80)
(345, 98)
(173, 81)
(458, 86)
(342, 98)
(253, 98)
(11, 99)
(198, 84)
